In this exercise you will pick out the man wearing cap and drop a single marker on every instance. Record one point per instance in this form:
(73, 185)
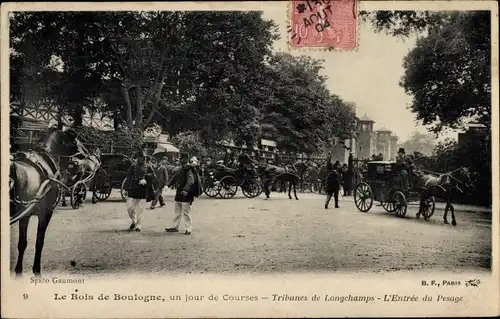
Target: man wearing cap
(140, 181)
(184, 181)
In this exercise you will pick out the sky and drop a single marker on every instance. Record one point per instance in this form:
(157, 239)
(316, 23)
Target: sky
(368, 77)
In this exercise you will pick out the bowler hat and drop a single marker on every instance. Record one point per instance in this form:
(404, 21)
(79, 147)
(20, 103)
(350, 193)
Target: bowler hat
(401, 150)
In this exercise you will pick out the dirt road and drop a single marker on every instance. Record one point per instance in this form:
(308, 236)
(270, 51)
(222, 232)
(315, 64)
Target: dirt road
(254, 235)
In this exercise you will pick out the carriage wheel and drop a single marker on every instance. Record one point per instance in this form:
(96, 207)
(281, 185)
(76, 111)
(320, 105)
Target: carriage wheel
(227, 187)
(363, 197)
(102, 189)
(78, 194)
(251, 188)
(429, 205)
(400, 204)
(123, 191)
(210, 187)
(388, 206)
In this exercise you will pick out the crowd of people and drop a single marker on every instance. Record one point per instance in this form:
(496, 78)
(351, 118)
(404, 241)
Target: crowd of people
(145, 183)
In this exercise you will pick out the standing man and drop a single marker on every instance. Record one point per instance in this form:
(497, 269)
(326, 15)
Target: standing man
(140, 181)
(187, 184)
(333, 185)
(161, 181)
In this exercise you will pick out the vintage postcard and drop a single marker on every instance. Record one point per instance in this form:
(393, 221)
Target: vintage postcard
(302, 158)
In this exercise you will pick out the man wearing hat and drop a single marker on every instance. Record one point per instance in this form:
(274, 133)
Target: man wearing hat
(186, 178)
(140, 181)
(406, 164)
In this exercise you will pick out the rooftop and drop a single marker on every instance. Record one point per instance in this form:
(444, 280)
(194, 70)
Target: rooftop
(384, 129)
(366, 119)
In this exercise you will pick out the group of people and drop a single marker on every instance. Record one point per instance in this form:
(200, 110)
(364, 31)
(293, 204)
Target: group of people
(145, 184)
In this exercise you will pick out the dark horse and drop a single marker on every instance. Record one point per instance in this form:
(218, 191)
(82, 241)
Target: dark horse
(272, 173)
(34, 189)
(443, 186)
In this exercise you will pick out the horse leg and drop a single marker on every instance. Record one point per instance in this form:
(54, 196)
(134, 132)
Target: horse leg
(266, 188)
(22, 244)
(43, 223)
(445, 216)
(453, 221)
(295, 190)
(290, 190)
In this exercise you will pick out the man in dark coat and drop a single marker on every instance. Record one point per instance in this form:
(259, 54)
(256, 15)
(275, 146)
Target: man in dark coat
(140, 181)
(187, 177)
(332, 186)
(161, 179)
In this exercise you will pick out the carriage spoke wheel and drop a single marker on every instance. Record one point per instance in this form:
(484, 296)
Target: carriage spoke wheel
(228, 187)
(78, 194)
(123, 191)
(388, 206)
(363, 197)
(251, 188)
(210, 187)
(429, 205)
(102, 189)
(400, 204)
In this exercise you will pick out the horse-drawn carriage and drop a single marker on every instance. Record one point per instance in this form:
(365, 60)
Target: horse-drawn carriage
(224, 181)
(383, 183)
(113, 173)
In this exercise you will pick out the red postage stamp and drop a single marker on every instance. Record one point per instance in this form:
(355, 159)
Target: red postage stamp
(323, 24)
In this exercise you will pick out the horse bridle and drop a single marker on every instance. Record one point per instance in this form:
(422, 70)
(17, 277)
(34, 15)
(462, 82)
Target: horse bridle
(457, 180)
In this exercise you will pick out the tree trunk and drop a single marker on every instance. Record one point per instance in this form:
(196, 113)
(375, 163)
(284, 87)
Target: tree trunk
(157, 96)
(126, 98)
(139, 107)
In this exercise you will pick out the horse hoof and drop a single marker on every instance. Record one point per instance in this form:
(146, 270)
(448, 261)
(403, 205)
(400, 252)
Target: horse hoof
(454, 223)
(19, 274)
(37, 274)
(296, 198)
(418, 215)
(446, 222)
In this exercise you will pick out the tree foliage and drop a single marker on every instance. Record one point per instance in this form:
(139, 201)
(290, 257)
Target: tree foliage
(206, 74)
(300, 113)
(418, 142)
(448, 72)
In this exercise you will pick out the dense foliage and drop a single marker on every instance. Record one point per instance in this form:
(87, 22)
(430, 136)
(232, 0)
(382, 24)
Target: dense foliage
(144, 68)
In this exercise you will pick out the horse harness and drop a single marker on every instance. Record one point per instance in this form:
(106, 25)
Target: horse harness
(42, 162)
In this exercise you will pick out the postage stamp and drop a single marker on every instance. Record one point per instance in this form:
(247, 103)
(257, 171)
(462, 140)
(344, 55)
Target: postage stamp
(323, 24)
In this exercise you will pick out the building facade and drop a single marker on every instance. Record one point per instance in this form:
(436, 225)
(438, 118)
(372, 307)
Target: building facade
(366, 137)
(369, 142)
(383, 138)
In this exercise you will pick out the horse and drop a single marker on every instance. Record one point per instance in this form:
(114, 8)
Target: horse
(272, 173)
(442, 186)
(34, 190)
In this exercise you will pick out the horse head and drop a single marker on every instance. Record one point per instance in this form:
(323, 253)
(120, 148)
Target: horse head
(59, 142)
(462, 176)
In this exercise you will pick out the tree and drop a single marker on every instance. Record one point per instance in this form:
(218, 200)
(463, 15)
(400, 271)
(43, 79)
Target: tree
(300, 113)
(448, 72)
(155, 67)
(418, 142)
